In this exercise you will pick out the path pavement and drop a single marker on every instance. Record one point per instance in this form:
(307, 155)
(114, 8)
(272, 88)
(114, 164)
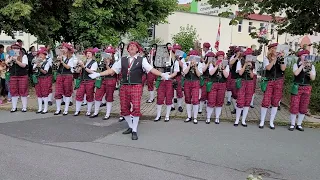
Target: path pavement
(69, 148)
(149, 110)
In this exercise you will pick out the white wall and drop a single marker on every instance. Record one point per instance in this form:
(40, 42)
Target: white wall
(28, 40)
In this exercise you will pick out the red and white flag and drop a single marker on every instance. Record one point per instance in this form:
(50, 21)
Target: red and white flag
(264, 30)
(216, 45)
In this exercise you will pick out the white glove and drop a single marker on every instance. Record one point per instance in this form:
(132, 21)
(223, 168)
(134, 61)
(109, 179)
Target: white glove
(94, 75)
(165, 76)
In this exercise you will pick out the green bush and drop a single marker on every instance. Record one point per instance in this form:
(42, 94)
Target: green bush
(314, 105)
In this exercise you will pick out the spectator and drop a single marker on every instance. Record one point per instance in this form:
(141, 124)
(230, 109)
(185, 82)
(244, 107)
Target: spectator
(50, 52)
(31, 55)
(2, 56)
(3, 89)
(21, 44)
(7, 82)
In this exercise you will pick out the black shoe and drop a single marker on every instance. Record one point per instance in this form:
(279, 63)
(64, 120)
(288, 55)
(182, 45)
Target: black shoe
(156, 120)
(187, 120)
(180, 109)
(199, 112)
(228, 103)
(43, 112)
(57, 113)
(217, 122)
(77, 114)
(121, 119)
(38, 112)
(175, 100)
(279, 108)
(128, 131)
(83, 104)
(103, 104)
(299, 128)
(23, 110)
(134, 136)
(233, 112)
(251, 106)
(14, 110)
(273, 128)
(94, 115)
(70, 104)
(208, 121)
(50, 103)
(150, 101)
(173, 109)
(244, 125)
(291, 128)
(65, 113)
(261, 127)
(195, 121)
(106, 118)
(63, 103)
(167, 119)
(235, 125)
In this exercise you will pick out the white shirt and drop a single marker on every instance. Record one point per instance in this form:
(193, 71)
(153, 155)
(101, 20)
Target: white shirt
(227, 68)
(199, 67)
(145, 65)
(312, 72)
(93, 67)
(239, 67)
(25, 59)
(265, 62)
(46, 67)
(176, 67)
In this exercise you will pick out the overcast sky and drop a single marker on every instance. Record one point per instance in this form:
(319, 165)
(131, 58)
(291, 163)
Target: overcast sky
(184, 1)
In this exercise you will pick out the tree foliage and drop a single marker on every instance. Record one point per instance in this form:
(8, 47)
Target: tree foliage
(89, 22)
(186, 37)
(300, 16)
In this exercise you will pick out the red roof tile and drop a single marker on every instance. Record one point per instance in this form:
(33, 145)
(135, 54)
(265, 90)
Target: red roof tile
(258, 17)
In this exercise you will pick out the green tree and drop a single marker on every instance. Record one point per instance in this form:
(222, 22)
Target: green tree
(300, 16)
(186, 37)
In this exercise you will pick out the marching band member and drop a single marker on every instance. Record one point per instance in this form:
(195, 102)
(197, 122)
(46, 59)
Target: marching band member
(192, 71)
(246, 71)
(151, 77)
(18, 83)
(206, 48)
(218, 78)
(230, 84)
(108, 85)
(304, 72)
(86, 88)
(165, 92)
(49, 58)
(131, 68)
(178, 78)
(64, 80)
(233, 76)
(256, 52)
(274, 67)
(44, 75)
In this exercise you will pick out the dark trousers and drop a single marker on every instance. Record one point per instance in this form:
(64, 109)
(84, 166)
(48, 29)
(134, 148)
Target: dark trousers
(3, 88)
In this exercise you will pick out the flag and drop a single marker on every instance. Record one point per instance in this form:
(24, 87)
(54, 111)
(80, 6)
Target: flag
(264, 30)
(216, 45)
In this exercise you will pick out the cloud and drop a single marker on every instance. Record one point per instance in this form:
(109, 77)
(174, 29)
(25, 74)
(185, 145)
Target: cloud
(184, 1)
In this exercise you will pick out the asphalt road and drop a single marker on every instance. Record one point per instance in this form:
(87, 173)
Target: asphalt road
(37, 147)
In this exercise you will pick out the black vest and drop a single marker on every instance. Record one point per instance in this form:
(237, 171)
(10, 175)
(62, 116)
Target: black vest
(206, 74)
(191, 76)
(234, 74)
(216, 78)
(16, 70)
(109, 76)
(43, 66)
(136, 71)
(275, 72)
(84, 73)
(63, 70)
(302, 78)
(246, 75)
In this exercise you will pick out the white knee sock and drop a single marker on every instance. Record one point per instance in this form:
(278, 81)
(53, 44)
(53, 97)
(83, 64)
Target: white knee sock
(129, 121)
(209, 112)
(67, 101)
(97, 107)
(159, 107)
(201, 105)
(151, 95)
(252, 99)
(168, 111)
(135, 124)
(89, 107)
(293, 118)
(85, 99)
(172, 103)
(273, 115)
(64, 98)
(180, 102)
(218, 112)
(45, 100)
(300, 119)
(189, 107)
(14, 100)
(229, 93)
(195, 111)
(263, 115)
(234, 102)
(78, 106)
(58, 104)
(104, 99)
(109, 107)
(238, 114)
(25, 102)
(39, 104)
(175, 93)
(50, 97)
(244, 115)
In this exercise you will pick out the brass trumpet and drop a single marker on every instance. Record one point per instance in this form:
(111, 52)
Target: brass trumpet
(307, 67)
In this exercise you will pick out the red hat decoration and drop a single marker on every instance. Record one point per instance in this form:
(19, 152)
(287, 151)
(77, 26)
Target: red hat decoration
(206, 45)
(300, 53)
(210, 54)
(248, 52)
(193, 53)
(68, 46)
(110, 50)
(136, 44)
(272, 45)
(220, 53)
(42, 50)
(16, 46)
(92, 50)
(176, 47)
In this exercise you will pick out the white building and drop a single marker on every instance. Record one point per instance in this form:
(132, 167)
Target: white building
(27, 39)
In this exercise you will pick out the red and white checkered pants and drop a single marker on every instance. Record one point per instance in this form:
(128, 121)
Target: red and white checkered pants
(179, 87)
(107, 88)
(191, 92)
(50, 84)
(217, 94)
(86, 88)
(204, 93)
(144, 79)
(43, 86)
(64, 86)
(150, 81)
(234, 90)
(229, 83)
(130, 94)
(19, 86)
(245, 93)
(300, 102)
(165, 92)
(273, 93)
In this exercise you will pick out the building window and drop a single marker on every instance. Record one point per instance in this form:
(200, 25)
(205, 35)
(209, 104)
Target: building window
(15, 33)
(240, 26)
(272, 29)
(20, 33)
(249, 28)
